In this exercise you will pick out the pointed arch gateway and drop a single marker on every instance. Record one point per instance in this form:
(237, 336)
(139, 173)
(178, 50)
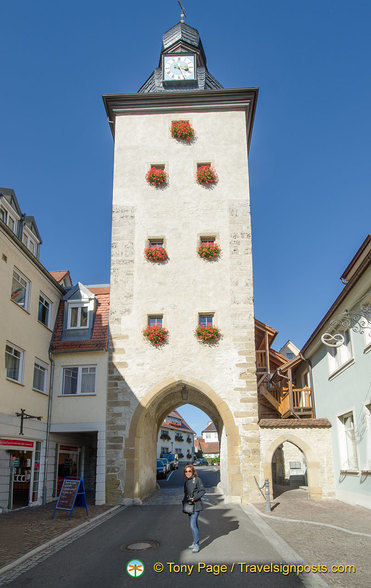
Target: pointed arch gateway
(141, 443)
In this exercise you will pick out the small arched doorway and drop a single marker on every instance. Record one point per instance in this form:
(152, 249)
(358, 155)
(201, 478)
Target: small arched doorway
(140, 446)
(289, 468)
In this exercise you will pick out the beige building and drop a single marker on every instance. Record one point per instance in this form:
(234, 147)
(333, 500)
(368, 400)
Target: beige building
(147, 382)
(29, 300)
(78, 416)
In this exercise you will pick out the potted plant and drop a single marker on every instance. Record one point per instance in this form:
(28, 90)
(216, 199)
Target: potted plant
(209, 250)
(189, 440)
(189, 455)
(206, 175)
(156, 254)
(155, 334)
(208, 333)
(180, 455)
(156, 177)
(181, 129)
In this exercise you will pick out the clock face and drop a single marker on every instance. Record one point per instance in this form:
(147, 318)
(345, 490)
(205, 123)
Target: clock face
(179, 67)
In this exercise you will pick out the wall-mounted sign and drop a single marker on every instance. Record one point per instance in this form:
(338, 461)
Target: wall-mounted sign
(16, 443)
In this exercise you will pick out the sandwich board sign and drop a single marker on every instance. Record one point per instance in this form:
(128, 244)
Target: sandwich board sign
(72, 494)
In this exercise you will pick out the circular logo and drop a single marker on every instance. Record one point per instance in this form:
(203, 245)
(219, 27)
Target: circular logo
(135, 568)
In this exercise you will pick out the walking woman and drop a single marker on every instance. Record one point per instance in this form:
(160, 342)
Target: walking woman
(192, 504)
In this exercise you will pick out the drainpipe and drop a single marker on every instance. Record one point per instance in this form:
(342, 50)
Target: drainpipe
(48, 423)
(311, 387)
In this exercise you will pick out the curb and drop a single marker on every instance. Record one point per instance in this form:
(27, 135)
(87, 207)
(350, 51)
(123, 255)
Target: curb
(287, 553)
(302, 521)
(52, 542)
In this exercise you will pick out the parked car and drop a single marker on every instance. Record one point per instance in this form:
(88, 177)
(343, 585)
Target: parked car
(166, 463)
(172, 458)
(161, 469)
(201, 461)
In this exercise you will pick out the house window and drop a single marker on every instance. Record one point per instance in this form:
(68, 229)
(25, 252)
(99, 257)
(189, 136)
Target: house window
(78, 316)
(45, 307)
(8, 219)
(155, 242)
(14, 363)
(155, 320)
(207, 240)
(205, 319)
(20, 289)
(78, 380)
(338, 356)
(348, 445)
(40, 377)
(30, 244)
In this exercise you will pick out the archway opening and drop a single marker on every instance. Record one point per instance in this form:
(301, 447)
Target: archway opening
(141, 446)
(289, 468)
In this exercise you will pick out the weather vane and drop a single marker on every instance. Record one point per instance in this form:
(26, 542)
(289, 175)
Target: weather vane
(183, 13)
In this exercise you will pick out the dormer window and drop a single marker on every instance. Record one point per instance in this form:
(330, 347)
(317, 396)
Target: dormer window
(78, 316)
(30, 243)
(8, 219)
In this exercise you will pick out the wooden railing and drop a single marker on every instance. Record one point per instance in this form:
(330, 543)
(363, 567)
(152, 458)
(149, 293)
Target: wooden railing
(299, 401)
(261, 362)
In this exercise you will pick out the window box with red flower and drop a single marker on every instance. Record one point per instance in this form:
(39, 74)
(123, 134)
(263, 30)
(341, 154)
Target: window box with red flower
(209, 250)
(208, 333)
(156, 176)
(181, 129)
(155, 334)
(155, 254)
(206, 175)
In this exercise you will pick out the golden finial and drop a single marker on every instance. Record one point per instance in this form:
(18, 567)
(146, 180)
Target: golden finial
(183, 12)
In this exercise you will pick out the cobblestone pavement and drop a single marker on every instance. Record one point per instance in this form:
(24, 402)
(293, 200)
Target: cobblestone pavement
(25, 529)
(325, 544)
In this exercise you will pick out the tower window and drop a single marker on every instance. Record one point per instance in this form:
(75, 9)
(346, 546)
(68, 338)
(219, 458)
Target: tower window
(155, 320)
(205, 319)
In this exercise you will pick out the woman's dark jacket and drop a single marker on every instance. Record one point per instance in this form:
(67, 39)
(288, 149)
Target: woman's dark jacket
(194, 488)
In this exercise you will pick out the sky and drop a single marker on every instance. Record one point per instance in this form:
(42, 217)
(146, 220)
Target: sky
(310, 172)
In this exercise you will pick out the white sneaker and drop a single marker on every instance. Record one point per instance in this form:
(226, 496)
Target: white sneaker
(196, 549)
(191, 546)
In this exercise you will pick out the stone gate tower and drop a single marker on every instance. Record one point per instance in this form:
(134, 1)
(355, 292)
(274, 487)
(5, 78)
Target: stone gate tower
(145, 381)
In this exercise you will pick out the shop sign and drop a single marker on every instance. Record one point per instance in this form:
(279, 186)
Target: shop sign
(16, 443)
(68, 448)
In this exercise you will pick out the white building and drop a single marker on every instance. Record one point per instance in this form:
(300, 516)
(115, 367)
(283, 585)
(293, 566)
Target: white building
(176, 436)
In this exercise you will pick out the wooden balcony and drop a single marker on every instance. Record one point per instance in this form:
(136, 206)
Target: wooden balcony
(289, 401)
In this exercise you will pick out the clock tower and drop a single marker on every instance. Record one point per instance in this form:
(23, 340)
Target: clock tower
(181, 310)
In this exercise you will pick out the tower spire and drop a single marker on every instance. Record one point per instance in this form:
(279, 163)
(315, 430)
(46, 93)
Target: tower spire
(183, 13)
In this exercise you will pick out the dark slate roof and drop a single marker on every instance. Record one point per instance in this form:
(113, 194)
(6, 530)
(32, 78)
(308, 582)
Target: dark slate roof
(205, 81)
(30, 222)
(10, 196)
(182, 38)
(185, 33)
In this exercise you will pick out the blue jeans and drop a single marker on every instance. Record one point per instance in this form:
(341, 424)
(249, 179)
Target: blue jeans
(193, 520)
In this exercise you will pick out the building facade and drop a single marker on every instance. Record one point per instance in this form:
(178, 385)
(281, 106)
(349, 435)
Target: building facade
(29, 302)
(176, 436)
(339, 351)
(147, 382)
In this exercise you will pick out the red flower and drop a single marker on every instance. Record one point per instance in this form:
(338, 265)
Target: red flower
(208, 333)
(206, 175)
(156, 334)
(181, 129)
(155, 254)
(156, 177)
(209, 250)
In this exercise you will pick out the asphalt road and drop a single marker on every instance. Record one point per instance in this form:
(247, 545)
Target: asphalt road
(210, 476)
(229, 538)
